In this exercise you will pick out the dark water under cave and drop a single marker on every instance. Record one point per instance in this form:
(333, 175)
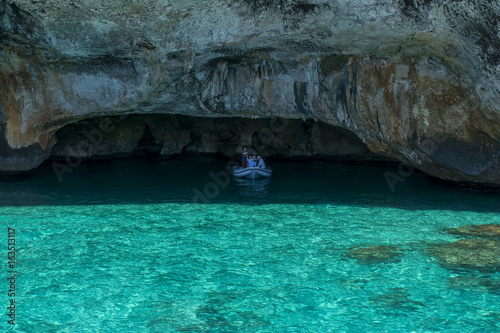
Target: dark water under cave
(129, 245)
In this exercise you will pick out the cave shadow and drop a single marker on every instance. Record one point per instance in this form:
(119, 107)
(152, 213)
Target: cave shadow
(152, 180)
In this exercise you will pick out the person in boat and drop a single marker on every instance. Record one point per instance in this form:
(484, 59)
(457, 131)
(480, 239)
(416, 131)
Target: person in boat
(252, 161)
(244, 157)
(260, 162)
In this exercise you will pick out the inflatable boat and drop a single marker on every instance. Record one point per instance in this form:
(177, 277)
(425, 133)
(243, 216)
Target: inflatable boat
(251, 172)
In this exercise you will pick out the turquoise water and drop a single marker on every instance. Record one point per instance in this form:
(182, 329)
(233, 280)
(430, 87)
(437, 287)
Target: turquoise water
(123, 247)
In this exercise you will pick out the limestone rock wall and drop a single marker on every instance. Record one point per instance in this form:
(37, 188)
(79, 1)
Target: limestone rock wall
(416, 80)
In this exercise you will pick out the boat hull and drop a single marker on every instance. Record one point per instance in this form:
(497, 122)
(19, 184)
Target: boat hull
(252, 172)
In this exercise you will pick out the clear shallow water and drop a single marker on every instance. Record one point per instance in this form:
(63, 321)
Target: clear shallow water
(123, 247)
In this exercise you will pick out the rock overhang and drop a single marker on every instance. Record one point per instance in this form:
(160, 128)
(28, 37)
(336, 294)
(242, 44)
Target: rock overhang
(395, 73)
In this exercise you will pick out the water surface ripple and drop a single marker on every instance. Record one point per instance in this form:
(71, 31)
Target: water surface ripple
(122, 247)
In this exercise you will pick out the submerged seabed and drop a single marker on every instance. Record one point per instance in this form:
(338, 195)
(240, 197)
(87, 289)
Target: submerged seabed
(96, 254)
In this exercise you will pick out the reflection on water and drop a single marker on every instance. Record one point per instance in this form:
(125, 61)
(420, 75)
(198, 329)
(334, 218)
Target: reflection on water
(319, 247)
(174, 180)
(257, 188)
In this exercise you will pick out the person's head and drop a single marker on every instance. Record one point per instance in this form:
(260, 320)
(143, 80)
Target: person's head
(258, 157)
(244, 147)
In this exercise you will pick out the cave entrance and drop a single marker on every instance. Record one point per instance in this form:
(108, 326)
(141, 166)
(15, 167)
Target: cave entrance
(160, 135)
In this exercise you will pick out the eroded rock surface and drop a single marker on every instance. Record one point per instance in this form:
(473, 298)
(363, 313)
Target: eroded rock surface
(170, 134)
(416, 81)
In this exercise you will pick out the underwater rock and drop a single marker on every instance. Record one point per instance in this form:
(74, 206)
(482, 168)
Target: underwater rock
(477, 254)
(371, 255)
(473, 283)
(396, 298)
(483, 230)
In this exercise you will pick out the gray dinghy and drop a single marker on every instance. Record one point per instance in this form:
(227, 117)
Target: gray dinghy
(251, 172)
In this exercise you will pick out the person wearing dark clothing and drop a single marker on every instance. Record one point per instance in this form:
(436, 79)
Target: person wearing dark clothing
(244, 157)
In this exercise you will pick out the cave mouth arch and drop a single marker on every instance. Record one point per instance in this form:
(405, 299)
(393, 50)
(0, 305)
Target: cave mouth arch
(167, 135)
